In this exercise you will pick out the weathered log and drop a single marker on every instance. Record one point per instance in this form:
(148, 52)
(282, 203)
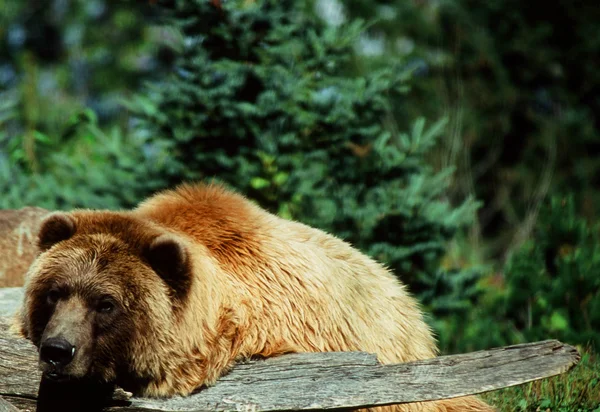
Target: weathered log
(6, 406)
(320, 380)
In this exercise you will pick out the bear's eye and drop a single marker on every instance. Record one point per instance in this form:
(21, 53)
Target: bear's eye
(53, 296)
(105, 306)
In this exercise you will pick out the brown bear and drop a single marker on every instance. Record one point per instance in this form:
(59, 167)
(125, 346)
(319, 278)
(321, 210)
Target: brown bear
(166, 298)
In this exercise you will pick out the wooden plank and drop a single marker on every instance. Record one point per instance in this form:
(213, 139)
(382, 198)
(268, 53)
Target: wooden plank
(21, 404)
(312, 381)
(19, 374)
(5, 406)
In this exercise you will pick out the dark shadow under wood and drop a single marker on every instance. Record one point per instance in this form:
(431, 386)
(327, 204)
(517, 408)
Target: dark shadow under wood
(73, 396)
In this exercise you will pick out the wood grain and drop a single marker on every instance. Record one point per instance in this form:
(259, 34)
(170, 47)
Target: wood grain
(6, 406)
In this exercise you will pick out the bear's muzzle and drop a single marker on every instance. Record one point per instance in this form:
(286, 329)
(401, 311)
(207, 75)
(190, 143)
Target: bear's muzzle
(57, 352)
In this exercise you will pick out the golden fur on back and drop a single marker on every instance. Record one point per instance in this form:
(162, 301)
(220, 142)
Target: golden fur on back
(259, 286)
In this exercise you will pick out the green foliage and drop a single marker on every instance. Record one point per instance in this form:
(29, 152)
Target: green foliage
(264, 98)
(64, 140)
(96, 169)
(519, 86)
(455, 299)
(577, 391)
(553, 288)
(550, 289)
(60, 57)
(389, 203)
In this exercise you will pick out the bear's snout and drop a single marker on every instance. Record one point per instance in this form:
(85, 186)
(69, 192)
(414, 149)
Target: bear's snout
(66, 349)
(57, 352)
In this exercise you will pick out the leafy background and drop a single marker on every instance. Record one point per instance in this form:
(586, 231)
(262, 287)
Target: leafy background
(454, 141)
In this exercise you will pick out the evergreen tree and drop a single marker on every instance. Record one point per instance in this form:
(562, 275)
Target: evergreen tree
(265, 98)
(520, 88)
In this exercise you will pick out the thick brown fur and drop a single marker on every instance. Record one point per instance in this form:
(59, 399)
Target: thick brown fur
(200, 277)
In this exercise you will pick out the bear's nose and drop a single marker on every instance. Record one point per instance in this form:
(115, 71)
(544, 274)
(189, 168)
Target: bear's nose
(57, 352)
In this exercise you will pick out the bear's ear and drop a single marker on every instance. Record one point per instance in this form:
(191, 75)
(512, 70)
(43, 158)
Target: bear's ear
(170, 259)
(55, 228)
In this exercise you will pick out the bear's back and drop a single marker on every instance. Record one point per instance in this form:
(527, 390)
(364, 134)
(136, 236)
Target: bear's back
(227, 224)
(309, 286)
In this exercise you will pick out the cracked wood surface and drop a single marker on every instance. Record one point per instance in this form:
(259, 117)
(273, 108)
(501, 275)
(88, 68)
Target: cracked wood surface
(6, 406)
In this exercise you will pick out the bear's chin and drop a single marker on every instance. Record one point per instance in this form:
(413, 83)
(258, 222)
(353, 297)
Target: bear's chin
(74, 395)
(57, 377)
(91, 377)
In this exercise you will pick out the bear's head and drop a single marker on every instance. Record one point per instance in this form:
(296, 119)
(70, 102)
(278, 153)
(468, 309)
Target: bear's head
(103, 290)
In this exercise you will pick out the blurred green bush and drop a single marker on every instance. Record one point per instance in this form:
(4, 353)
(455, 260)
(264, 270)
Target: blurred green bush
(519, 86)
(98, 169)
(65, 67)
(549, 289)
(552, 282)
